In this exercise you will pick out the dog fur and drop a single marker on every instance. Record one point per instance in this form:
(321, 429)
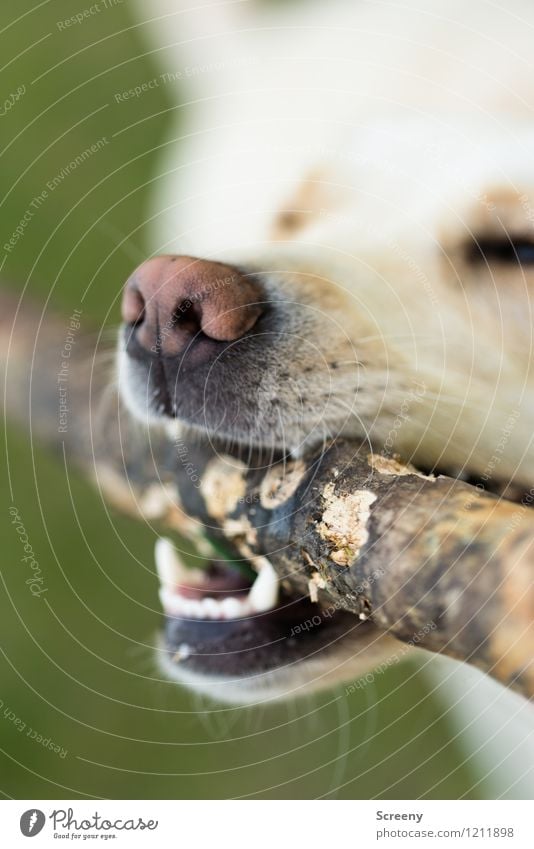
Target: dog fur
(354, 155)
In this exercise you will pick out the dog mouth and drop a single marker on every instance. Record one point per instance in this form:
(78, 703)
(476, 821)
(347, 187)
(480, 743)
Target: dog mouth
(233, 633)
(218, 593)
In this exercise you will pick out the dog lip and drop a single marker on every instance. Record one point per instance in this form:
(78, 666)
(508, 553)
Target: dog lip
(210, 386)
(175, 388)
(295, 630)
(195, 344)
(164, 374)
(161, 374)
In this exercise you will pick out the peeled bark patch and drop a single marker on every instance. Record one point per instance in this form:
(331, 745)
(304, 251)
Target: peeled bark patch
(392, 466)
(276, 489)
(222, 486)
(344, 523)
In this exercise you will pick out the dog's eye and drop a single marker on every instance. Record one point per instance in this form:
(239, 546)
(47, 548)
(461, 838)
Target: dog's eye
(518, 250)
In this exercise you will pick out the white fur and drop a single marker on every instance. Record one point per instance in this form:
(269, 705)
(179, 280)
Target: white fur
(412, 117)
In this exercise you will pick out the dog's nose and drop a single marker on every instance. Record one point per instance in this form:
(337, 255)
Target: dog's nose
(171, 299)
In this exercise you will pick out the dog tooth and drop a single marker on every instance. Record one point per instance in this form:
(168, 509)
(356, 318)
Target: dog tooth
(170, 568)
(176, 605)
(182, 653)
(211, 608)
(192, 608)
(263, 594)
(172, 603)
(232, 608)
(166, 601)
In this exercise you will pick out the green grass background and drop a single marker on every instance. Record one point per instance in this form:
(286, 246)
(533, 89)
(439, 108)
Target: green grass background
(79, 670)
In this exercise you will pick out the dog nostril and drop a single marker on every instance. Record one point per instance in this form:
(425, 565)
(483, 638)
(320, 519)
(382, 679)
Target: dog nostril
(176, 299)
(133, 306)
(188, 317)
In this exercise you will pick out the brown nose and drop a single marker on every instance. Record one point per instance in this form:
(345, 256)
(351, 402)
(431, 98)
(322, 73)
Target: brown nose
(170, 299)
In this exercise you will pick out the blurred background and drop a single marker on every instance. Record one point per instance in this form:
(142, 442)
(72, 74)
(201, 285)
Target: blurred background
(83, 710)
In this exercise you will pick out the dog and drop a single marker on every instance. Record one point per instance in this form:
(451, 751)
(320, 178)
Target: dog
(351, 215)
(342, 219)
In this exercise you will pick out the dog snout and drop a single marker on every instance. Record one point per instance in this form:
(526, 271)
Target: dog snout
(169, 300)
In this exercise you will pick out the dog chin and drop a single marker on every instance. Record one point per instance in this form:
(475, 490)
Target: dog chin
(274, 685)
